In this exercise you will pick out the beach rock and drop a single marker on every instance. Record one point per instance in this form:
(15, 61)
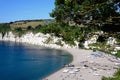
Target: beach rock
(92, 40)
(111, 41)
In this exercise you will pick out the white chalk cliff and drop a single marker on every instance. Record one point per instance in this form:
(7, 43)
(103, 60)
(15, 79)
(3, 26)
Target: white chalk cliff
(37, 39)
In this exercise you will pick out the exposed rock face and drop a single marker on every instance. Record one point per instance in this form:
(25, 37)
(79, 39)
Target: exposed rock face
(37, 39)
(111, 41)
(92, 40)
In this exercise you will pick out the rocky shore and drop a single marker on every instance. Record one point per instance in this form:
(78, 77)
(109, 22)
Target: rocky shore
(41, 39)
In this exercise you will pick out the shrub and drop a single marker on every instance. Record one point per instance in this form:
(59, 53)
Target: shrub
(19, 32)
(4, 28)
(118, 54)
(49, 40)
(29, 28)
(101, 39)
(59, 43)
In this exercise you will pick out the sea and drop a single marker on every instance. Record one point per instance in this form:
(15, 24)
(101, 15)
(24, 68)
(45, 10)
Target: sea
(20, 61)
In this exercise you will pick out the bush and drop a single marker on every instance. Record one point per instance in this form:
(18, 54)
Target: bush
(49, 40)
(19, 32)
(81, 45)
(59, 43)
(101, 39)
(118, 54)
(68, 33)
(4, 28)
(29, 28)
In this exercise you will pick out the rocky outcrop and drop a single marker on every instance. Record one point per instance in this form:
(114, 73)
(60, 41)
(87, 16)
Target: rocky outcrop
(41, 39)
(92, 40)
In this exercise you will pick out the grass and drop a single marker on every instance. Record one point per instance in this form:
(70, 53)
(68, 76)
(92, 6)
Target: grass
(26, 24)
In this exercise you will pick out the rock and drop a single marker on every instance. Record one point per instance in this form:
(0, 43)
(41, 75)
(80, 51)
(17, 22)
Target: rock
(36, 39)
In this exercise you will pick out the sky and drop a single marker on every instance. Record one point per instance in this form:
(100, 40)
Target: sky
(14, 10)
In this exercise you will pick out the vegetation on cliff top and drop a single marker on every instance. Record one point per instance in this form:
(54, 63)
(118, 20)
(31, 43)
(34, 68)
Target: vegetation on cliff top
(75, 19)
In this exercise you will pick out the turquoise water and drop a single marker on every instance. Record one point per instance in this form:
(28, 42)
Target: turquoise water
(27, 62)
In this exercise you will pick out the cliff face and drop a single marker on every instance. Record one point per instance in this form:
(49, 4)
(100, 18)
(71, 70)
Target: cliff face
(37, 39)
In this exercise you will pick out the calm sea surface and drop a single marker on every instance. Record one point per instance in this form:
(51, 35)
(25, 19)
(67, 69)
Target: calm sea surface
(28, 62)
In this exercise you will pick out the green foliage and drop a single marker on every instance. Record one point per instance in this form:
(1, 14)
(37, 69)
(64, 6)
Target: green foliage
(49, 40)
(37, 29)
(118, 41)
(101, 46)
(98, 44)
(79, 10)
(101, 38)
(68, 33)
(59, 43)
(19, 31)
(111, 27)
(29, 28)
(118, 54)
(116, 76)
(4, 28)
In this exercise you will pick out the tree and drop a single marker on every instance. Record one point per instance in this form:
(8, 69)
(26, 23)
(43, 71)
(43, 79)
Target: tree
(19, 32)
(4, 28)
(79, 11)
(29, 28)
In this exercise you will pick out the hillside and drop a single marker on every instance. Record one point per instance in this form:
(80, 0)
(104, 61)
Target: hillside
(32, 23)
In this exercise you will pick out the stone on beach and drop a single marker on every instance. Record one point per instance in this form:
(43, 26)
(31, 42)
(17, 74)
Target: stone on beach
(95, 68)
(89, 66)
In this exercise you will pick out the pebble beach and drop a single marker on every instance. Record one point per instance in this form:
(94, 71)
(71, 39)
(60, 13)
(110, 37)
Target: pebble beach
(86, 66)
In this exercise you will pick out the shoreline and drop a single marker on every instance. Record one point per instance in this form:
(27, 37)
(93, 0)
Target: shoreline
(95, 70)
(51, 76)
(39, 47)
(45, 40)
(89, 67)
(63, 65)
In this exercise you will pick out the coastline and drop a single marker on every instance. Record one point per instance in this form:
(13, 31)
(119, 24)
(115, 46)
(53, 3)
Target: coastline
(45, 40)
(95, 71)
(79, 56)
(74, 61)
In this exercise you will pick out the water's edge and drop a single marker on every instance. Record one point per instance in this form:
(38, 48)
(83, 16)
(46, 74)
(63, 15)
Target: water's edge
(39, 46)
(63, 65)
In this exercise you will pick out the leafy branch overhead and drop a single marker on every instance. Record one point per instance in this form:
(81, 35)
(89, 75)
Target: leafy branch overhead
(79, 10)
